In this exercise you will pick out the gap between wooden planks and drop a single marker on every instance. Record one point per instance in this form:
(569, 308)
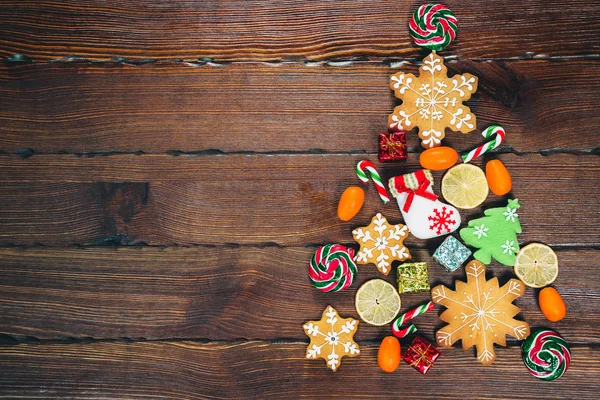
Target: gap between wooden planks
(81, 108)
(268, 31)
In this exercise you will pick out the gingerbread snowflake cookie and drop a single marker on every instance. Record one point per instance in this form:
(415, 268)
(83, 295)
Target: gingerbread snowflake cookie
(381, 243)
(331, 338)
(480, 312)
(432, 101)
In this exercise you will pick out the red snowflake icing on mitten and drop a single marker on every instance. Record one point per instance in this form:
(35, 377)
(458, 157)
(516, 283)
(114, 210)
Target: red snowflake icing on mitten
(441, 220)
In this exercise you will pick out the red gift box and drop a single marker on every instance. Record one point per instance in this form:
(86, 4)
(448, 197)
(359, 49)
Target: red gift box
(421, 355)
(392, 147)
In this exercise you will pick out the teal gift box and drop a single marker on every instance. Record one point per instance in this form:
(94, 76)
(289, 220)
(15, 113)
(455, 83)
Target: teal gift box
(451, 254)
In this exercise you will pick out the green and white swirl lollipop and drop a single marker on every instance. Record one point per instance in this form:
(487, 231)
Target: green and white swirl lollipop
(546, 354)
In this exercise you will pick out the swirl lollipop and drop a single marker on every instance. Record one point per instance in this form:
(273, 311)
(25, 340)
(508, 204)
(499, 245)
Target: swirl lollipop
(332, 268)
(546, 354)
(433, 26)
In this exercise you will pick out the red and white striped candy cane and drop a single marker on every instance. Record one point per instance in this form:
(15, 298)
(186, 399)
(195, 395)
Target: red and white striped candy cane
(365, 166)
(484, 148)
(407, 316)
(401, 333)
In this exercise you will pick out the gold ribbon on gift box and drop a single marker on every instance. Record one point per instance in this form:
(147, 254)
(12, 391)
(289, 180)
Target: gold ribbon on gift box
(393, 146)
(422, 356)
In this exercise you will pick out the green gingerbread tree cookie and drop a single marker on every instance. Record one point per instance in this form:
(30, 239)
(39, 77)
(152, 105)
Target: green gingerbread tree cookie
(495, 235)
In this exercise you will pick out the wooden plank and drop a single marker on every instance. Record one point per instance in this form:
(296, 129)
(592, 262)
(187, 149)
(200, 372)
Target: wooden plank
(158, 108)
(263, 30)
(188, 370)
(226, 293)
(239, 199)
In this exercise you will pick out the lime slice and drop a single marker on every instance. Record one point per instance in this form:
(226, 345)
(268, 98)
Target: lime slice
(377, 302)
(536, 265)
(464, 186)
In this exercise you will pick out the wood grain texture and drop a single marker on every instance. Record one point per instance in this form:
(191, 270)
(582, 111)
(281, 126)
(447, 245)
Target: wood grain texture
(266, 30)
(228, 293)
(238, 199)
(127, 272)
(188, 370)
(240, 108)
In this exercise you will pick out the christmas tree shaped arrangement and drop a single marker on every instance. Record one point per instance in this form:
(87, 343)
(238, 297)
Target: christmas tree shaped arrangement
(495, 235)
(432, 103)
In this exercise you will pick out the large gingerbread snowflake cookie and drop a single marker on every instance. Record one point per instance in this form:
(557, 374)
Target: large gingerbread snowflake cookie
(480, 312)
(331, 338)
(432, 102)
(381, 243)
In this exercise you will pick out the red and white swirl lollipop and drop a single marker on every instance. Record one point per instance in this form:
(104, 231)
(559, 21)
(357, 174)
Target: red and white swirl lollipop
(433, 26)
(332, 268)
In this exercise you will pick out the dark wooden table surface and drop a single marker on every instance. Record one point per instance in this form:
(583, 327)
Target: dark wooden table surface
(167, 168)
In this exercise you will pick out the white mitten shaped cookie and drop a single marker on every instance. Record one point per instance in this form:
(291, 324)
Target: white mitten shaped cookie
(425, 216)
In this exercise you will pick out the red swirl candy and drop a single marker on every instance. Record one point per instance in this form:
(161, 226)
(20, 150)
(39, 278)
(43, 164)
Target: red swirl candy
(332, 268)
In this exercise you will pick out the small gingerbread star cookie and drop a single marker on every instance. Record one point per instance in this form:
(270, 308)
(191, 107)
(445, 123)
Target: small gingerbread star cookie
(331, 338)
(381, 243)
